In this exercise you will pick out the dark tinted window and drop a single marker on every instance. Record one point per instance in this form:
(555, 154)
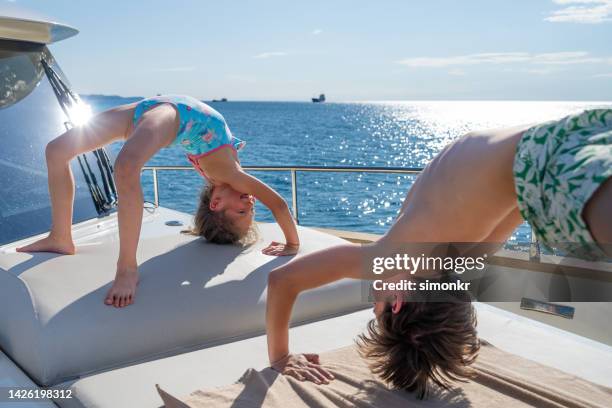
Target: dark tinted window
(30, 116)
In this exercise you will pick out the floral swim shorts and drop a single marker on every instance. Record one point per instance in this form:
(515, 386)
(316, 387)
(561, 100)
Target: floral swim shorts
(202, 130)
(557, 168)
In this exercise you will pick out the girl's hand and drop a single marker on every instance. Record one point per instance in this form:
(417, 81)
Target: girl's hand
(304, 367)
(278, 249)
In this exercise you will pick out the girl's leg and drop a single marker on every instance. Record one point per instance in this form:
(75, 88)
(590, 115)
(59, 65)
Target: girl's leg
(156, 129)
(103, 129)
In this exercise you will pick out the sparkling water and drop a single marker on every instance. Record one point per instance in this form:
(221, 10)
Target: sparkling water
(404, 134)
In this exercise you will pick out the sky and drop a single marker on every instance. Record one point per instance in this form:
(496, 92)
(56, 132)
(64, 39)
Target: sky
(351, 50)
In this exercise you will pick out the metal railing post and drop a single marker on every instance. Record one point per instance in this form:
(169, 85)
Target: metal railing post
(294, 202)
(534, 247)
(155, 188)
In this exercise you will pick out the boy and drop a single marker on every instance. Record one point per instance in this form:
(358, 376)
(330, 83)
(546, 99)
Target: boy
(556, 175)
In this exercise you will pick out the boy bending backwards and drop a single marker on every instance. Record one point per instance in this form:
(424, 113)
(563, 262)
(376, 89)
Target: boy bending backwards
(555, 175)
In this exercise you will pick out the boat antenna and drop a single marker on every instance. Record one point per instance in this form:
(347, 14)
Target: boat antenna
(110, 171)
(106, 170)
(95, 192)
(104, 176)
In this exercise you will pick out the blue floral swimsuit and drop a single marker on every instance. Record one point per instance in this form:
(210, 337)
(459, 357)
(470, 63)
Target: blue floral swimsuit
(202, 130)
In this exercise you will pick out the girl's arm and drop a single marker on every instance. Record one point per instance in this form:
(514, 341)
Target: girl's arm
(245, 183)
(285, 284)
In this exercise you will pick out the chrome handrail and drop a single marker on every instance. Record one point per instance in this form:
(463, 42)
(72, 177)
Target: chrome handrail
(337, 169)
(534, 253)
(293, 170)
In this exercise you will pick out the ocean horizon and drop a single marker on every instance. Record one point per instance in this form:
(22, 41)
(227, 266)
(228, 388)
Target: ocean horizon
(306, 100)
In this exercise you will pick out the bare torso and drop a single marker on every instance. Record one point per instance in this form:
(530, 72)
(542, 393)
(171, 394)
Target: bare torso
(465, 194)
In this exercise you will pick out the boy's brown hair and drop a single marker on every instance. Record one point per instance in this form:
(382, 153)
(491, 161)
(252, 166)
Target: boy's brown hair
(215, 227)
(424, 342)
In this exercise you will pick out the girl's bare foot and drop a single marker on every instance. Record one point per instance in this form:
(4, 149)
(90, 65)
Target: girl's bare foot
(50, 244)
(122, 293)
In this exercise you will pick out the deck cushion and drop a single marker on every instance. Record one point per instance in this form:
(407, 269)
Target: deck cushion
(221, 365)
(192, 294)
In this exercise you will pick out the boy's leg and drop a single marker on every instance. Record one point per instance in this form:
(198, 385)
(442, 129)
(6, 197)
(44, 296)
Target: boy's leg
(506, 227)
(156, 129)
(596, 214)
(496, 239)
(103, 129)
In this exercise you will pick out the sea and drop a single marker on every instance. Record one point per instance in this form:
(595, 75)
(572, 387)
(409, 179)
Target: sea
(356, 134)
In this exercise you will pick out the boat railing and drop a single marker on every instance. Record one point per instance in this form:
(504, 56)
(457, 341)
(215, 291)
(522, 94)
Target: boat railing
(534, 248)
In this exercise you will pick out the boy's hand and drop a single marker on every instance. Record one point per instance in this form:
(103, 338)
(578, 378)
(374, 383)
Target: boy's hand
(278, 249)
(304, 367)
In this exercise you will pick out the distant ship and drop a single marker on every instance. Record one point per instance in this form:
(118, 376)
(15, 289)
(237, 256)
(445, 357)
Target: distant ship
(321, 98)
(220, 100)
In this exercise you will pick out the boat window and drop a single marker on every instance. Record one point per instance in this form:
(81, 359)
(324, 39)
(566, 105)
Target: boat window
(30, 116)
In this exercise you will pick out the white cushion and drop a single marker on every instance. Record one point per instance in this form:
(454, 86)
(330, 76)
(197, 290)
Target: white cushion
(12, 378)
(192, 294)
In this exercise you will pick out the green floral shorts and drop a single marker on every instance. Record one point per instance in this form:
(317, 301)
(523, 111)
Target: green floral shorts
(557, 168)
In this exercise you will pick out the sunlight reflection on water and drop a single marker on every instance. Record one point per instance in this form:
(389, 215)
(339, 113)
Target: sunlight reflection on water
(403, 134)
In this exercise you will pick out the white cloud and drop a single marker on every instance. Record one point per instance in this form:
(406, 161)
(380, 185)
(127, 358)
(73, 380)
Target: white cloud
(270, 54)
(174, 69)
(609, 75)
(582, 11)
(565, 58)
(553, 58)
(538, 71)
(457, 72)
(533, 71)
(471, 59)
(317, 31)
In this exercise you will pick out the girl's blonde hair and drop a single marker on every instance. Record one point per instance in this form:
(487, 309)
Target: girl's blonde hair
(215, 227)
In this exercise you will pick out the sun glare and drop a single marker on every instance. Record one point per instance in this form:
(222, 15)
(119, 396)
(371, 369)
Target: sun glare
(80, 114)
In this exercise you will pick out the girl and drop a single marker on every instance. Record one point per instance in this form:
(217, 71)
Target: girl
(556, 175)
(225, 213)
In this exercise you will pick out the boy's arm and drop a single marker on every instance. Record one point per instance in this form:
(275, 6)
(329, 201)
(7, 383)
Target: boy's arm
(285, 284)
(245, 183)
